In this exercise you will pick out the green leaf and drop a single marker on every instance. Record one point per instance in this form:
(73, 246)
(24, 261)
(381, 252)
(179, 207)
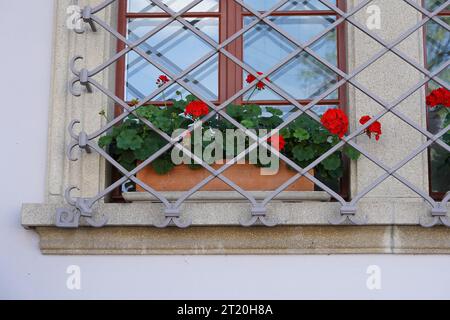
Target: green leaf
(446, 138)
(332, 163)
(162, 166)
(320, 136)
(286, 133)
(351, 152)
(235, 111)
(128, 165)
(337, 173)
(190, 98)
(249, 124)
(179, 105)
(129, 140)
(105, 141)
(274, 111)
(270, 122)
(305, 122)
(301, 134)
(127, 157)
(146, 112)
(442, 111)
(252, 111)
(446, 120)
(302, 153)
(116, 131)
(150, 145)
(163, 123)
(333, 140)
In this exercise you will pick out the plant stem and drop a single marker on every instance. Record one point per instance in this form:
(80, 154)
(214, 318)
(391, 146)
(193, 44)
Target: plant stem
(164, 98)
(251, 94)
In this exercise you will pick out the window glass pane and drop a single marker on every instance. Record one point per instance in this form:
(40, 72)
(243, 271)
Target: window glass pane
(304, 77)
(146, 6)
(433, 4)
(438, 44)
(438, 52)
(264, 5)
(176, 49)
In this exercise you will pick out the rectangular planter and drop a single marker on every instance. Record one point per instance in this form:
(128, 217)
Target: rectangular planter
(247, 176)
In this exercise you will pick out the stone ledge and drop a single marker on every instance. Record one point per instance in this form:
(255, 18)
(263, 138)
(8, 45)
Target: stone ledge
(249, 241)
(304, 229)
(398, 211)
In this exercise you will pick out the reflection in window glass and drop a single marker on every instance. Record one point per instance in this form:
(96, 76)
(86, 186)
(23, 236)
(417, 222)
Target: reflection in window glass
(434, 4)
(438, 52)
(303, 77)
(176, 49)
(146, 6)
(292, 5)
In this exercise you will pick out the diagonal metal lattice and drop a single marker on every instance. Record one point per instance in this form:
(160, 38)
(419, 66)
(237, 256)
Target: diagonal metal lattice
(83, 207)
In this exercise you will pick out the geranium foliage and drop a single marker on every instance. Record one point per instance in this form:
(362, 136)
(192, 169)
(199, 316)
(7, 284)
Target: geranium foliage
(303, 141)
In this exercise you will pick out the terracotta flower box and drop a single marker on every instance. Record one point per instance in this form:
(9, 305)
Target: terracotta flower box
(247, 176)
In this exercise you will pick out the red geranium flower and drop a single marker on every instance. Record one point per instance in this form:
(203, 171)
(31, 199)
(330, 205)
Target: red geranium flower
(438, 97)
(277, 141)
(374, 128)
(336, 121)
(162, 80)
(196, 109)
(260, 85)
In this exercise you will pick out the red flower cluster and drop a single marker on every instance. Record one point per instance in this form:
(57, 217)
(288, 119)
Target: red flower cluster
(374, 128)
(196, 109)
(277, 141)
(260, 85)
(162, 80)
(336, 121)
(438, 97)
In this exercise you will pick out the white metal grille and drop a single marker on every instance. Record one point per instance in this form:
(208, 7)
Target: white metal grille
(82, 207)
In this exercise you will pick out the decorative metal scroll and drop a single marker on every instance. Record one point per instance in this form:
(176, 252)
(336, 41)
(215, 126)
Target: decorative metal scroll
(83, 207)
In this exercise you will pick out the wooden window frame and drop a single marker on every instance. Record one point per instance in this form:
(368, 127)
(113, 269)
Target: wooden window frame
(231, 16)
(439, 196)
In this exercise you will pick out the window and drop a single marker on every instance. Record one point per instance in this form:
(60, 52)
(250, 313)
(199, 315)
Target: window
(176, 48)
(437, 52)
(386, 202)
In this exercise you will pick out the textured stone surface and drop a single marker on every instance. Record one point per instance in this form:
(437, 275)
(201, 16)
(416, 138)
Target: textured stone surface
(378, 211)
(231, 240)
(202, 240)
(88, 173)
(389, 78)
(417, 240)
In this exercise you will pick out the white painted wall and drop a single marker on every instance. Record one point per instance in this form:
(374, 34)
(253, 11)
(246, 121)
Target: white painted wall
(26, 30)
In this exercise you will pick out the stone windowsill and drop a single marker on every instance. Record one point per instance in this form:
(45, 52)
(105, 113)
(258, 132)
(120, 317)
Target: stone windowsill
(392, 227)
(234, 240)
(406, 211)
